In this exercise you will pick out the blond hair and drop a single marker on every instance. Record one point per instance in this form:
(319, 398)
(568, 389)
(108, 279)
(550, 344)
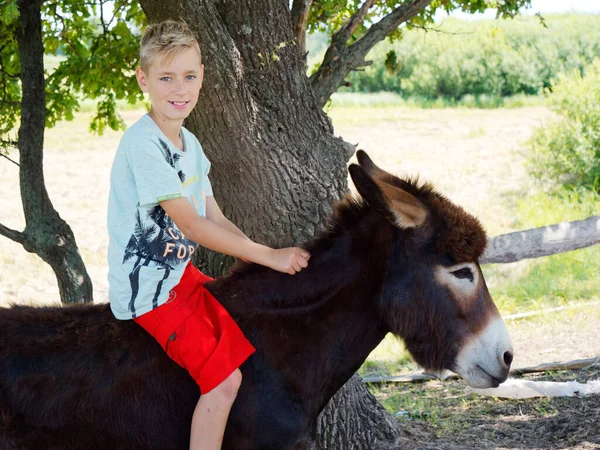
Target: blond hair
(164, 41)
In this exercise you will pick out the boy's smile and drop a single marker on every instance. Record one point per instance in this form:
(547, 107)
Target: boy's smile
(173, 86)
(179, 105)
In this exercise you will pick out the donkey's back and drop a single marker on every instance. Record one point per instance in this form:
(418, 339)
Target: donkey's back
(75, 377)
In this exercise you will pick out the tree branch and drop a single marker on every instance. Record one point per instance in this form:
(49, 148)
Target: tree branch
(65, 27)
(417, 377)
(12, 234)
(438, 29)
(300, 10)
(117, 7)
(4, 156)
(385, 26)
(340, 59)
(104, 26)
(544, 241)
(345, 32)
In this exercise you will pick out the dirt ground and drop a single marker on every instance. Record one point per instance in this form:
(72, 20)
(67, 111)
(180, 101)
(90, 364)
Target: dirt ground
(473, 156)
(451, 419)
(443, 415)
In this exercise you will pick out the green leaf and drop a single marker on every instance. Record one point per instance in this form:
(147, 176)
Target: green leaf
(9, 12)
(391, 61)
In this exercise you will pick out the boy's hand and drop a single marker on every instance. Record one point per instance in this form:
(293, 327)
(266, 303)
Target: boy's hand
(289, 260)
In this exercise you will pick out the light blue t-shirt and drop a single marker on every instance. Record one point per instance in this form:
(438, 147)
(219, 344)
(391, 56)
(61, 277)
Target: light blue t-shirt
(147, 253)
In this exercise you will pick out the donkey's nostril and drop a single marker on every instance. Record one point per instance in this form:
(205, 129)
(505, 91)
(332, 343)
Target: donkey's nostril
(508, 358)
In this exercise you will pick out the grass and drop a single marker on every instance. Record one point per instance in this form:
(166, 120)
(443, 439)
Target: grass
(567, 205)
(89, 105)
(390, 357)
(409, 404)
(391, 99)
(557, 280)
(455, 417)
(475, 133)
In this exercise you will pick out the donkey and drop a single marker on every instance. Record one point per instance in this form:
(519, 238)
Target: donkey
(399, 258)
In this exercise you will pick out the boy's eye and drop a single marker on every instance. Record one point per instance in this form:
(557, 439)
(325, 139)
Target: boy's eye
(191, 77)
(165, 79)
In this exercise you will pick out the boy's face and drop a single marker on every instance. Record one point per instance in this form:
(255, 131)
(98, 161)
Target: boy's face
(173, 86)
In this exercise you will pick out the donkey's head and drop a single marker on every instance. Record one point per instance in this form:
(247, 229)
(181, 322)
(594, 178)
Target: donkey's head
(434, 296)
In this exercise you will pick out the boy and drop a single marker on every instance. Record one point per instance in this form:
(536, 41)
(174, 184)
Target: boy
(160, 206)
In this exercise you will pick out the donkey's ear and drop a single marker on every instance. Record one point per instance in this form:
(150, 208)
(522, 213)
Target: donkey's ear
(405, 209)
(366, 187)
(368, 165)
(408, 210)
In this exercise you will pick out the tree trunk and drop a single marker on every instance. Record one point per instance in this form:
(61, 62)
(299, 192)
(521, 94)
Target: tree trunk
(544, 241)
(45, 234)
(357, 424)
(276, 166)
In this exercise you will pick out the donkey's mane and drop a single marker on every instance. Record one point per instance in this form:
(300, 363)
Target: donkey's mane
(267, 287)
(458, 233)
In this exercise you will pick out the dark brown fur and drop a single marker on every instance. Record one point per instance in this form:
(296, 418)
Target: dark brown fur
(76, 378)
(458, 233)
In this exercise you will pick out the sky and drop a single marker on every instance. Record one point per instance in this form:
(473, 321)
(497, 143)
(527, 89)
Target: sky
(545, 6)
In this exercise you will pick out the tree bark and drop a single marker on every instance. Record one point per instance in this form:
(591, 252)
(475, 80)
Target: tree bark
(360, 424)
(45, 234)
(544, 241)
(276, 166)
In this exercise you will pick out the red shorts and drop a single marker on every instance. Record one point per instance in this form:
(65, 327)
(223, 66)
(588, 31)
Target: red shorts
(197, 333)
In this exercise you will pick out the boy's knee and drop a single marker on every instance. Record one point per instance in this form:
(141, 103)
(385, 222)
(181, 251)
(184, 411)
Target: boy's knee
(228, 389)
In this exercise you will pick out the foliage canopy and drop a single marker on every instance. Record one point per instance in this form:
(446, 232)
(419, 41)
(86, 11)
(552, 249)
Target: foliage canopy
(329, 16)
(97, 54)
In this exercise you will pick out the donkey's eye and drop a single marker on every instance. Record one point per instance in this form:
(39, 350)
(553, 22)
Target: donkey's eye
(463, 273)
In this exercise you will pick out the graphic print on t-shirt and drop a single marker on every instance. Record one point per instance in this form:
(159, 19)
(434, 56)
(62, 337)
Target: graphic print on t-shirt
(157, 240)
(171, 158)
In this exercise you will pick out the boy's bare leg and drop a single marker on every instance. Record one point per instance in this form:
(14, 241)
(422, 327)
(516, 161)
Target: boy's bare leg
(211, 413)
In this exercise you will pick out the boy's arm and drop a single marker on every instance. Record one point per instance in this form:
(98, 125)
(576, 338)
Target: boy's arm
(210, 235)
(215, 215)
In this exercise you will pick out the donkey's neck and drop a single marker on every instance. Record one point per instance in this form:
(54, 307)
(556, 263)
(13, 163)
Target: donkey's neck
(337, 259)
(317, 327)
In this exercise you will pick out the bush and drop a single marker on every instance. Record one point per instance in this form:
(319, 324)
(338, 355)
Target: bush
(483, 58)
(566, 151)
